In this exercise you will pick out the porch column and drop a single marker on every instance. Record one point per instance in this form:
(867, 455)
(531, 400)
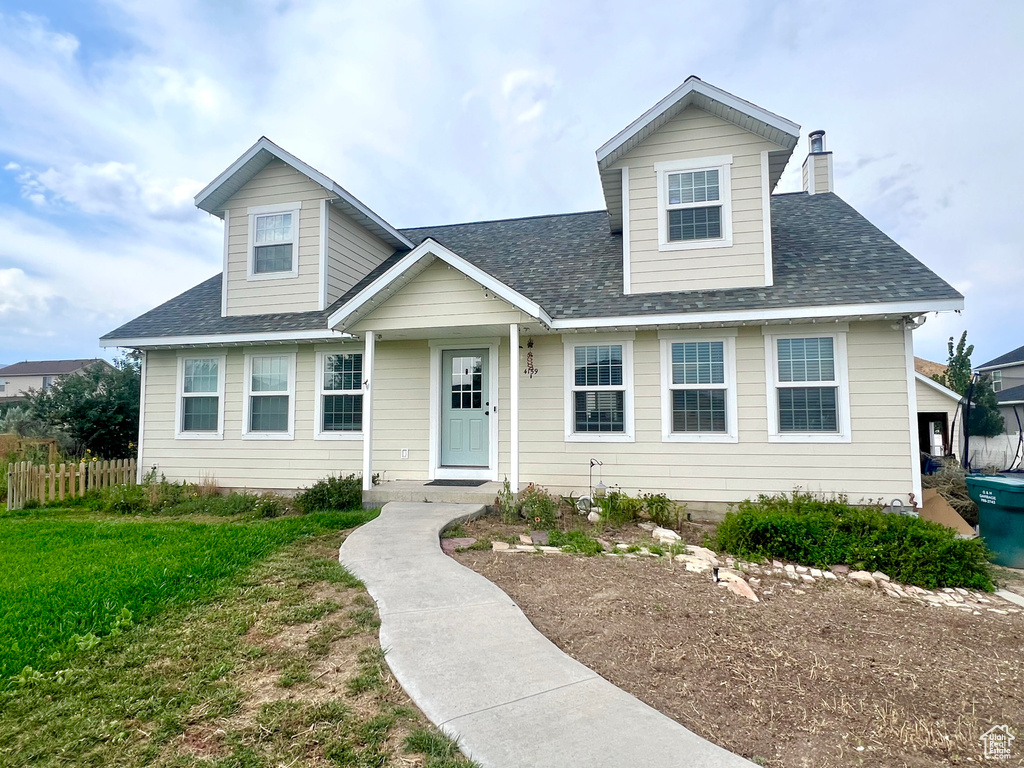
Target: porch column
(513, 394)
(368, 338)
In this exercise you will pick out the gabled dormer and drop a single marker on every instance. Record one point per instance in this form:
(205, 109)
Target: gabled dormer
(294, 240)
(688, 184)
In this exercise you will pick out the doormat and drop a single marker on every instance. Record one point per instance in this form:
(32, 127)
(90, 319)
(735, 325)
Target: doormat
(458, 483)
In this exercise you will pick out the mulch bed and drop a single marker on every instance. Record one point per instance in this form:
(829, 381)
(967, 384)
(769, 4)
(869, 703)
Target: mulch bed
(837, 676)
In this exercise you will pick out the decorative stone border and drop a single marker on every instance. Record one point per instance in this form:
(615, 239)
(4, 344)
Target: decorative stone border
(743, 578)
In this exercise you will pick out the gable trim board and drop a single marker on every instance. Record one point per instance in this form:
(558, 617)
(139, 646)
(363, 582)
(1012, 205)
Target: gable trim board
(626, 288)
(766, 220)
(217, 192)
(760, 121)
(227, 253)
(915, 441)
(411, 265)
(936, 386)
(228, 339)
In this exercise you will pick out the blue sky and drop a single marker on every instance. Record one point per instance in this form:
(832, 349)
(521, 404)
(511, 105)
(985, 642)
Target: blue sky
(113, 114)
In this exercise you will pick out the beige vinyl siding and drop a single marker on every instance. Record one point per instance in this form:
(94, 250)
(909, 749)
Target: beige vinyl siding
(875, 463)
(352, 253)
(20, 385)
(694, 134)
(439, 297)
(277, 183)
(821, 184)
(234, 462)
(805, 174)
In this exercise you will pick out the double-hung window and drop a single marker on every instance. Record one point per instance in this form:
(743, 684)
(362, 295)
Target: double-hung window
(269, 396)
(694, 202)
(273, 241)
(698, 387)
(599, 397)
(200, 411)
(997, 381)
(339, 408)
(809, 398)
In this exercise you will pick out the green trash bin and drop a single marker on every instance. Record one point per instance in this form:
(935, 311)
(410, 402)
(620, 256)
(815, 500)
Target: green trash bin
(1000, 503)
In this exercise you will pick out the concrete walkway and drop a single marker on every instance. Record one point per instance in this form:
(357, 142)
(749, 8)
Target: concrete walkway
(475, 665)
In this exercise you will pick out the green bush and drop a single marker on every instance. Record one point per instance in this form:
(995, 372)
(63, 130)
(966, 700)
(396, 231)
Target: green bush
(539, 507)
(332, 493)
(575, 541)
(823, 532)
(619, 508)
(663, 511)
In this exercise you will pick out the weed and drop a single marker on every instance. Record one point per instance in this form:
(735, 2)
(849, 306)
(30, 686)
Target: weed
(332, 493)
(454, 532)
(575, 541)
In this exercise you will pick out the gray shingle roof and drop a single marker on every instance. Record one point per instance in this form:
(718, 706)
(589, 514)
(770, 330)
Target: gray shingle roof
(1011, 395)
(1014, 356)
(47, 367)
(824, 253)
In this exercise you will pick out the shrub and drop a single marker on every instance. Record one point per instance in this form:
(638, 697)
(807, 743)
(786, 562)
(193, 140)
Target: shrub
(125, 499)
(539, 507)
(505, 501)
(332, 493)
(662, 510)
(824, 532)
(575, 541)
(619, 508)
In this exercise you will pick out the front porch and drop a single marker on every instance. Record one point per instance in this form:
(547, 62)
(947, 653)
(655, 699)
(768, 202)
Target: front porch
(424, 491)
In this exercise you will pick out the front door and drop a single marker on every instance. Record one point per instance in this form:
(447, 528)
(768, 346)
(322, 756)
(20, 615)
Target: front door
(465, 408)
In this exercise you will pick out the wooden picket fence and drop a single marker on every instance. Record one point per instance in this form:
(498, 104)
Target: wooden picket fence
(57, 482)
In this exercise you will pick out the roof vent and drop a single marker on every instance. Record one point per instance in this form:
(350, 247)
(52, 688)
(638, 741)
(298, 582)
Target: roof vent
(817, 139)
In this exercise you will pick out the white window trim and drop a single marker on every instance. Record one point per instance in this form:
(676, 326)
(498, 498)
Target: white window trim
(250, 252)
(179, 389)
(569, 377)
(842, 382)
(728, 337)
(721, 163)
(247, 404)
(318, 408)
(997, 381)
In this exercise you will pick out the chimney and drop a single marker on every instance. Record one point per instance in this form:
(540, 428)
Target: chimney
(817, 166)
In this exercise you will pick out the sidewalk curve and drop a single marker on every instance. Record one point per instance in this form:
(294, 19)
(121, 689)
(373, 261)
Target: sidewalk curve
(480, 671)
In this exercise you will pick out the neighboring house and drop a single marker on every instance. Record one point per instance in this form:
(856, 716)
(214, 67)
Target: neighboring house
(701, 336)
(18, 379)
(1007, 375)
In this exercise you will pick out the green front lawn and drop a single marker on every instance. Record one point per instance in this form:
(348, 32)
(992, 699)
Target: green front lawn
(69, 579)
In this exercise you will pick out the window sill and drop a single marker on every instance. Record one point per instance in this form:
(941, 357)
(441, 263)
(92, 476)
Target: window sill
(344, 436)
(258, 276)
(598, 437)
(199, 436)
(698, 437)
(809, 437)
(267, 436)
(695, 245)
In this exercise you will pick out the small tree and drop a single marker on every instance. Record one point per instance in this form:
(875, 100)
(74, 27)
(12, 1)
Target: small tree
(957, 375)
(97, 408)
(985, 420)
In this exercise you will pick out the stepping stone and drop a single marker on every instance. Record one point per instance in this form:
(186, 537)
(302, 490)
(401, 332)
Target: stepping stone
(500, 546)
(538, 537)
(525, 539)
(450, 545)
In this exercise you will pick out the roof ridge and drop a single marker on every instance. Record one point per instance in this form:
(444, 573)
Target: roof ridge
(498, 221)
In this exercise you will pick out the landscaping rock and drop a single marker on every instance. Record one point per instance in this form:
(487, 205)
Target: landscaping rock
(551, 550)
(524, 548)
(499, 546)
(649, 527)
(665, 535)
(802, 569)
(741, 588)
(790, 568)
(525, 539)
(450, 545)
(703, 553)
(879, 576)
(776, 564)
(807, 578)
(840, 570)
(863, 578)
(594, 517)
(605, 545)
(694, 564)
(816, 573)
(727, 574)
(539, 537)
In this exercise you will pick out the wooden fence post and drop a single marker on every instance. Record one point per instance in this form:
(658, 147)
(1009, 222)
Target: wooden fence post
(81, 478)
(53, 482)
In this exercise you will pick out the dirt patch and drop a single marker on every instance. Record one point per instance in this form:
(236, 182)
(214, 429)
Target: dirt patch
(835, 675)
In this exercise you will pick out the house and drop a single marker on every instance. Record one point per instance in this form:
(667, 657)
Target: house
(18, 379)
(700, 335)
(939, 427)
(1007, 375)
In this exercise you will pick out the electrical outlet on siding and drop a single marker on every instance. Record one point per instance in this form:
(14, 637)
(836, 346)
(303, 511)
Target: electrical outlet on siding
(405, 453)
